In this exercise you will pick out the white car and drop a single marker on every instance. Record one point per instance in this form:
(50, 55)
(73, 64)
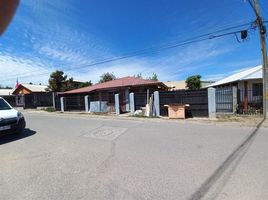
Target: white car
(11, 120)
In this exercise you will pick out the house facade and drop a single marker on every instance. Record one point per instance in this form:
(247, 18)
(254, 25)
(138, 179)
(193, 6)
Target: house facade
(25, 89)
(249, 86)
(105, 92)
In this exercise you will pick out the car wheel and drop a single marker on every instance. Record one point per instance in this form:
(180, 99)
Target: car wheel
(21, 127)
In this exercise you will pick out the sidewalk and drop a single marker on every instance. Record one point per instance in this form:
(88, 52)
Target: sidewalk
(249, 121)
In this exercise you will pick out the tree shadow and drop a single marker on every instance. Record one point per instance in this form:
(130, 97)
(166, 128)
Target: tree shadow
(13, 137)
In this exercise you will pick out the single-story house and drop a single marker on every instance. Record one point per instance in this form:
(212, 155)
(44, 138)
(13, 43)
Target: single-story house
(249, 86)
(25, 89)
(29, 89)
(123, 86)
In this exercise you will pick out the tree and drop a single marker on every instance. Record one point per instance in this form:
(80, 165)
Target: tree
(138, 75)
(57, 81)
(106, 77)
(154, 77)
(85, 84)
(193, 82)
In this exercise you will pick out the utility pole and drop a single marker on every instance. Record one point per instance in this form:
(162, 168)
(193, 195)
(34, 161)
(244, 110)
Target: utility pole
(262, 29)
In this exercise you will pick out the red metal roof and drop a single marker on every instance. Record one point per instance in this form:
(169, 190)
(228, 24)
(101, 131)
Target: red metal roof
(117, 83)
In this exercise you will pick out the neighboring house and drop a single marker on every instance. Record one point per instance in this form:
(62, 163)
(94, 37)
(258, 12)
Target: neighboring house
(175, 85)
(122, 86)
(6, 92)
(249, 86)
(29, 89)
(204, 84)
(25, 89)
(77, 83)
(181, 85)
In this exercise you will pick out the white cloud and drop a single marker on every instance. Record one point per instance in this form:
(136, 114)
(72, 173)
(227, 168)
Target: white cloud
(54, 44)
(24, 69)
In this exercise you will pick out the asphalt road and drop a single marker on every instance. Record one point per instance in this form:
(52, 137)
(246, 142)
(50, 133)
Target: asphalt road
(77, 157)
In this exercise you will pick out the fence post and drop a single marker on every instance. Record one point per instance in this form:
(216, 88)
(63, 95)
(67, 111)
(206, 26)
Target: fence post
(212, 102)
(86, 103)
(53, 100)
(62, 104)
(156, 107)
(132, 103)
(117, 104)
(234, 99)
(127, 99)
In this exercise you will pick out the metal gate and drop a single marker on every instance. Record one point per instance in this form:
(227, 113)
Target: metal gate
(224, 100)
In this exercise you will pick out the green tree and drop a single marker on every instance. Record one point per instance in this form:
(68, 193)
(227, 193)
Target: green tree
(57, 81)
(85, 84)
(154, 77)
(68, 85)
(106, 77)
(193, 82)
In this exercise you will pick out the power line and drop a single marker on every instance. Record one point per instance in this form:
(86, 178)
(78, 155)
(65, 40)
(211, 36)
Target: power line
(147, 50)
(195, 39)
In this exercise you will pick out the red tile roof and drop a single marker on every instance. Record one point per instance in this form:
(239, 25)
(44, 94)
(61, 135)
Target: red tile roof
(117, 83)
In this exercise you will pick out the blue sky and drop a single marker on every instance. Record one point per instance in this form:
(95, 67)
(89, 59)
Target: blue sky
(69, 35)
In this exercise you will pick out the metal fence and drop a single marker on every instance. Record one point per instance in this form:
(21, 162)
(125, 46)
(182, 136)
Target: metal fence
(74, 103)
(140, 99)
(197, 100)
(249, 102)
(246, 101)
(38, 100)
(224, 100)
(10, 99)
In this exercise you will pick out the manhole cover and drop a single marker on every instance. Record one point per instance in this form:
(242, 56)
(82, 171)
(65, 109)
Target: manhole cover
(106, 132)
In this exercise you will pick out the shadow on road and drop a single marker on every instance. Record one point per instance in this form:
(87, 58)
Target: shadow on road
(233, 158)
(13, 137)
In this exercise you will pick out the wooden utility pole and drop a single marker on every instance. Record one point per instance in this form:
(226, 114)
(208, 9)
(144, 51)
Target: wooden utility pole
(262, 29)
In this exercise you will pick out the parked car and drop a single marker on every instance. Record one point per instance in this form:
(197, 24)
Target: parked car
(11, 120)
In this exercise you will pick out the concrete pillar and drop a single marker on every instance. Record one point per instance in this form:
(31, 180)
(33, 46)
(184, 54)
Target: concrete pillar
(212, 102)
(86, 103)
(117, 104)
(62, 104)
(53, 100)
(156, 107)
(234, 99)
(132, 103)
(127, 100)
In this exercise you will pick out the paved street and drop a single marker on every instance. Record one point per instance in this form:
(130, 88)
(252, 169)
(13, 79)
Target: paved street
(80, 157)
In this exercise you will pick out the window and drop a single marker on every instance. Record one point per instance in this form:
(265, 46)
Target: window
(257, 89)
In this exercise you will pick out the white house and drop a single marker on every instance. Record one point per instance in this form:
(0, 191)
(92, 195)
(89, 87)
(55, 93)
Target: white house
(247, 78)
(249, 86)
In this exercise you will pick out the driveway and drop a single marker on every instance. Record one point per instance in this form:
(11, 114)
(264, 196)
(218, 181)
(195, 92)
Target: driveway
(77, 157)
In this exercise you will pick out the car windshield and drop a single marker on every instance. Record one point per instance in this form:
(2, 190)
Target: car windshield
(4, 105)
